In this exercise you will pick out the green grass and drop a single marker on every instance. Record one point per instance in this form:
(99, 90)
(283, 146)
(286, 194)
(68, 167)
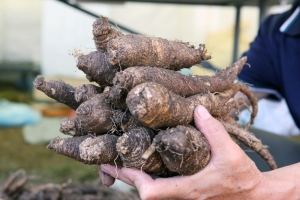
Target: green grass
(38, 161)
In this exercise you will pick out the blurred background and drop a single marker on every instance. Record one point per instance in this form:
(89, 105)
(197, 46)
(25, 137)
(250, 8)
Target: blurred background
(41, 37)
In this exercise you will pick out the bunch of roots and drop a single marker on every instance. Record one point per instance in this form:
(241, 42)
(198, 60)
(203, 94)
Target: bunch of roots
(140, 113)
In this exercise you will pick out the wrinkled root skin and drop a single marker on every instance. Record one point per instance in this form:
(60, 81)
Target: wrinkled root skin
(136, 50)
(175, 81)
(96, 68)
(124, 120)
(116, 96)
(100, 150)
(103, 33)
(86, 91)
(72, 127)
(68, 147)
(87, 149)
(132, 145)
(156, 107)
(95, 115)
(57, 90)
(183, 149)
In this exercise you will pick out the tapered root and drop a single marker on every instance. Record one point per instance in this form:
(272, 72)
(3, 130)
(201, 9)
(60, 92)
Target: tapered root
(175, 81)
(57, 90)
(156, 107)
(87, 149)
(251, 141)
(103, 33)
(72, 127)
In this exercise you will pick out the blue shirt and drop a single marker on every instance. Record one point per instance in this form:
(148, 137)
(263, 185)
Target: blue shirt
(274, 57)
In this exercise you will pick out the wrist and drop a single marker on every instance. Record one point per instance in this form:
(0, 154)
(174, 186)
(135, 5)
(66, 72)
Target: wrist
(275, 185)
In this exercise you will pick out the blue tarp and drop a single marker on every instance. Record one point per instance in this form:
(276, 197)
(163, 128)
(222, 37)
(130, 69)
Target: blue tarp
(17, 114)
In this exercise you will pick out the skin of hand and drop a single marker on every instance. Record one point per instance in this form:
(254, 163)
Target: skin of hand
(231, 174)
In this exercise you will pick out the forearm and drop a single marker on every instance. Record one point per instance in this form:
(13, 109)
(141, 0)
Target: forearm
(283, 183)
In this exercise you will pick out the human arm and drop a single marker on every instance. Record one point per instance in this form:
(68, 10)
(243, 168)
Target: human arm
(229, 175)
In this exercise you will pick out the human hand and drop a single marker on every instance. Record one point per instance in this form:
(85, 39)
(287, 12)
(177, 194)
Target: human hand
(231, 174)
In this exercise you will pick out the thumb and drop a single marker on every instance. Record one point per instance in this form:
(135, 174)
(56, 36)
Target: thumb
(213, 130)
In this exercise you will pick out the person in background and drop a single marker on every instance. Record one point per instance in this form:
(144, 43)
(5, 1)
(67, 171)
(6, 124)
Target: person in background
(274, 57)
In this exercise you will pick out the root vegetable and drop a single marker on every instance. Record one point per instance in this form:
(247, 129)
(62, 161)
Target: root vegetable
(183, 149)
(86, 91)
(100, 150)
(251, 141)
(96, 68)
(136, 50)
(95, 115)
(116, 96)
(124, 120)
(131, 146)
(68, 147)
(87, 149)
(156, 107)
(72, 127)
(103, 33)
(57, 90)
(144, 98)
(176, 82)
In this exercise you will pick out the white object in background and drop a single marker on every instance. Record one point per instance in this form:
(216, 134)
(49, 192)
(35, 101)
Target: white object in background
(119, 185)
(272, 116)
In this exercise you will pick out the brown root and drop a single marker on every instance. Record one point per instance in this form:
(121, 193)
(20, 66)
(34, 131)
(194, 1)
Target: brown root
(96, 68)
(156, 107)
(136, 50)
(103, 33)
(72, 127)
(183, 149)
(95, 115)
(251, 141)
(116, 96)
(14, 184)
(100, 150)
(175, 81)
(253, 101)
(87, 149)
(131, 146)
(68, 147)
(86, 91)
(57, 90)
(124, 120)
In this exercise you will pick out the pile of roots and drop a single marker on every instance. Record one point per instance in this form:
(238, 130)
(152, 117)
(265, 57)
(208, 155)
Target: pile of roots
(18, 187)
(140, 113)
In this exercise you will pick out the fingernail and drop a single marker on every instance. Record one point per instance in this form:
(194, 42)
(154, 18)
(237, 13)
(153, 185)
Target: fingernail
(202, 113)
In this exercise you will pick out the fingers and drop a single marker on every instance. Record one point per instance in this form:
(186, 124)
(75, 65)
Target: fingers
(214, 132)
(150, 187)
(121, 173)
(106, 179)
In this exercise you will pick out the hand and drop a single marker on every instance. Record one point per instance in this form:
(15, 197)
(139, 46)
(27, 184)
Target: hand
(231, 174)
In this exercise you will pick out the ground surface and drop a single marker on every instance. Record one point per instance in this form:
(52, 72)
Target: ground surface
(41, 163)
(43, 166)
